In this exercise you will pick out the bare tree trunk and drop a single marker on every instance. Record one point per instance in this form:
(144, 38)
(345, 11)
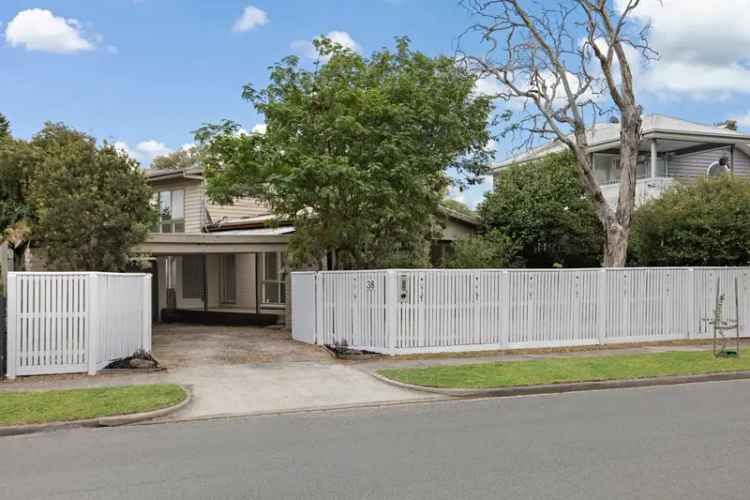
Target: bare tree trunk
(616, 246)
(618, 227)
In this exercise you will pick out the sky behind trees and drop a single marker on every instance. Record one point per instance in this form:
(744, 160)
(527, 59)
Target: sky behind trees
(145, 73)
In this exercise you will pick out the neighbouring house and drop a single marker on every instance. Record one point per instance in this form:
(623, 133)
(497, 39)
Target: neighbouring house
(671, 150)
(227, 264)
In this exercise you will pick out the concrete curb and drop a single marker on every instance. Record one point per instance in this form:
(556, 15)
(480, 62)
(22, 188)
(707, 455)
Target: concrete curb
(568, 387)
(115, 420)
(303, 409)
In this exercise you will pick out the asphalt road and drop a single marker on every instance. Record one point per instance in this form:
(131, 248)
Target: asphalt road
(683, 442)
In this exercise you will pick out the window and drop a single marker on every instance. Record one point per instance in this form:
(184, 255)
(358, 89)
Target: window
(192, 276)
(227, 279)
(273, 278)
(171, 206)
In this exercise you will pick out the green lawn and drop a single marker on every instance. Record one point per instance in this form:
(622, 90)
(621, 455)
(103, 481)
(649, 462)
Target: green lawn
(77, 404)
(560, 370)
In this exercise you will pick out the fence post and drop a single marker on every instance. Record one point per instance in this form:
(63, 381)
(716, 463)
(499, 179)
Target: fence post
(147, 313)
(602, 309)
(11, 333)
(506, 302)
(320, 338)
(691, 303)
(92, 315)
(391, 305)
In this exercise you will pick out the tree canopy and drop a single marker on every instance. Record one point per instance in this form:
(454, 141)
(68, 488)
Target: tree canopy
(4, 127)
(699, 224)
(180, 159)
(356, 151)
(86, 205)
(458, 206)
(543, 208)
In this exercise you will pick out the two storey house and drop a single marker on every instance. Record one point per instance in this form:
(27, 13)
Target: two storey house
(671, 150)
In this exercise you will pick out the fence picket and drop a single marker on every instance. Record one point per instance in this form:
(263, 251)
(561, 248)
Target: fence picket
(51, 329)
(412, 311)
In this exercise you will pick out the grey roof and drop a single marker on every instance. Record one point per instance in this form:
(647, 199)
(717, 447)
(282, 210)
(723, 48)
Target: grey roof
(604, 133)
(261, 231)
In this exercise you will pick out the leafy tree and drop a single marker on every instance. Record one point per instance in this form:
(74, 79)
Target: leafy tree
(700, 224)
(17, 159)
(491, 250)
(183, 158)
(4, 127)
(542, 207)
(356, 151)
(458, 206)
(87, 205)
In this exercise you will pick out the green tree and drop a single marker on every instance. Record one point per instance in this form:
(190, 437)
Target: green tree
(86, 205)
(17, 159)
(543, 207)
(491, 250)
(4, 127)
(458, 206)
(699, 224)
(356, 151)
(180, 159)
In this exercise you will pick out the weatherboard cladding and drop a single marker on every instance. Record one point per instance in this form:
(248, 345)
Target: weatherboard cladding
(694, 165)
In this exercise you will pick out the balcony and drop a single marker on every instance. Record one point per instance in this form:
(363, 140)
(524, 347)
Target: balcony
(645, 189)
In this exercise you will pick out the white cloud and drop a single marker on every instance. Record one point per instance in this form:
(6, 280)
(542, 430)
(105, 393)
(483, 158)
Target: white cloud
(144, 151)
(251, 18)
(744, 120)
(260, 128)
(487, 86)
(702, 47)
(40, 29)
(152, 148)
(306, 48)
(344, 39)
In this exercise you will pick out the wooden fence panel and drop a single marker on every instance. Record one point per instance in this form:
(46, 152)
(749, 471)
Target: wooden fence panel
(435, 310)
(75, 322)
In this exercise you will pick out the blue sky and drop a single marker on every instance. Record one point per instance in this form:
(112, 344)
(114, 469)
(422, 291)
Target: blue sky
(146, 72)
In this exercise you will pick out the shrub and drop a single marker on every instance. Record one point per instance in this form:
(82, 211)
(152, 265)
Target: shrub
(699, 224)
(491, 250)
(543, 209)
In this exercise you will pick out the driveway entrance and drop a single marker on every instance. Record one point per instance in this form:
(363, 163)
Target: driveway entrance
(182, 346)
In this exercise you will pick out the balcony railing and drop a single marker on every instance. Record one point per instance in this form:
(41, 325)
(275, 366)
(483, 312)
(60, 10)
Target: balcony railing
(645, 189)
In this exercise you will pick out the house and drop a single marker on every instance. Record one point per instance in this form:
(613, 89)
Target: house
(226, 264)
(671, 150)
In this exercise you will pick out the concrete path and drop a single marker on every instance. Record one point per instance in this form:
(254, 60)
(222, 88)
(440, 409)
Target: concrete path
(246, 389)
(683, 443)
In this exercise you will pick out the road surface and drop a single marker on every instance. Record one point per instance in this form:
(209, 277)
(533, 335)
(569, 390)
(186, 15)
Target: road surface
(683, 442)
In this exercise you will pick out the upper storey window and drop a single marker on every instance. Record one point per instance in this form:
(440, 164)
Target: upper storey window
(171, 206)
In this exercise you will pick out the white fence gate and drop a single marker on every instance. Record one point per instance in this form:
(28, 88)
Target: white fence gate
(75, 322)
(418, 311)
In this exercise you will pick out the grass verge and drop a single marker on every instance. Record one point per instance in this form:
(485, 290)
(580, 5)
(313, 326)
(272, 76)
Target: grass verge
(37, 407)
(562, 370)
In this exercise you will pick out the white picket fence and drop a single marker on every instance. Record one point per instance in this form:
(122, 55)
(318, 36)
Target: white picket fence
(75, 322)
(421, 311)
